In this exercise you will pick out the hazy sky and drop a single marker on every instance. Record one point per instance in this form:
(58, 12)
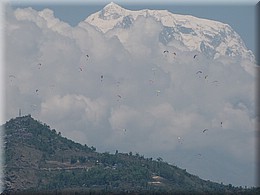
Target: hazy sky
(130, 96)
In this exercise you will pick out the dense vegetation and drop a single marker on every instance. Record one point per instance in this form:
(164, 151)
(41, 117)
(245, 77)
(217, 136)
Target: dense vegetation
(38, 159)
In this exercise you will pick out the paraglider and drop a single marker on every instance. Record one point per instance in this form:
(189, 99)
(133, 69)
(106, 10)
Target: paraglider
(199, 156)
(117, 83)
(165, 51)
(52, 86)
(101, 77)
(151, 81)
(205, 130)
(199, 73)
(215, 82)
(80, 69)
(34, 107)
(11, 77)
(195, 56)
(221, 123)
(119, 97)
(158, 92)
(154, 69)
(179, 140)
(206, 76)
(87, 57)
(39, 64)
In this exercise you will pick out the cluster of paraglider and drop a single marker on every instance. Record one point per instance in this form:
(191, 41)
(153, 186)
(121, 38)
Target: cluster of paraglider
(205, 76)
(200, 74)
(119, 97)
(167, 51)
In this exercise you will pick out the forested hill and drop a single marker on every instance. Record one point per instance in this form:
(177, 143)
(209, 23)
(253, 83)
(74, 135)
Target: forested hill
(39, 159)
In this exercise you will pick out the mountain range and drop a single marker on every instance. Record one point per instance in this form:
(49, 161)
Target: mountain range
(186, 32)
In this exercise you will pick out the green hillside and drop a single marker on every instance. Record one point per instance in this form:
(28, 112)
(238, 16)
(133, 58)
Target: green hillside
(39, 160)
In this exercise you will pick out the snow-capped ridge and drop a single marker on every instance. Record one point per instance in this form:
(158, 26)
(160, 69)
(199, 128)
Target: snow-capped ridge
(213, 38)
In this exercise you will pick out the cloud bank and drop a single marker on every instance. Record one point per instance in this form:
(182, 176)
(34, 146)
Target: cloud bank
(131, 95)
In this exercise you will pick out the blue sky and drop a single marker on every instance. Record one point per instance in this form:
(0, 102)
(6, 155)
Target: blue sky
(244, 24)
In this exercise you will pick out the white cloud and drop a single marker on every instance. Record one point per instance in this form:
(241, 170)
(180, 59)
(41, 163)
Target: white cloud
(124, 110)
(77, 106)
(44, 19)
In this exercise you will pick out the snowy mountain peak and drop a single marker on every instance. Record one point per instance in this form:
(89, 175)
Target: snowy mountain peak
(112, 6)
(111, 11)
(210, 37)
